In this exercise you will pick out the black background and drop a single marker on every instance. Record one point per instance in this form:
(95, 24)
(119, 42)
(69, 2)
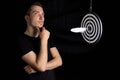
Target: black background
(80, 59)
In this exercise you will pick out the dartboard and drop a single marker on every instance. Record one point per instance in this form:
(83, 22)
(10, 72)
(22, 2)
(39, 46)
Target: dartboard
(90, 27)
(93, 25)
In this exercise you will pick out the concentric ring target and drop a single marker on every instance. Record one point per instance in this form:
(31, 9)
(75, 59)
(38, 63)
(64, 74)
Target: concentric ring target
(93, 26)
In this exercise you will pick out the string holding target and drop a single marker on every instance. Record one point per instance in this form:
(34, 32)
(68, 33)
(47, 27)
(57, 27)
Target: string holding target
(93, 25)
